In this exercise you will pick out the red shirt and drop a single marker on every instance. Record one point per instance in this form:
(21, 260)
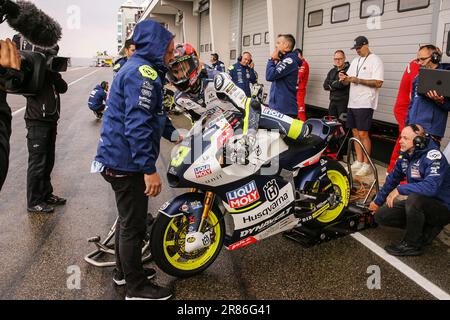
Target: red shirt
(303, 75)
(404, 92)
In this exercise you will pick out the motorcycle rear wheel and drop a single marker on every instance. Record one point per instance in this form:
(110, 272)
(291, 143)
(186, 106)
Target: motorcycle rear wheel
(341, 183)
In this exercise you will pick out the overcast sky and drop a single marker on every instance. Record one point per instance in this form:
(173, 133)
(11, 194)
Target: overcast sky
(97, 30)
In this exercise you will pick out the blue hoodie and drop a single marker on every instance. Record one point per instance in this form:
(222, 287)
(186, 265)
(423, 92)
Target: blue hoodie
(427, 172)
(284, 75)
(430, 115)
(97, 98)
(135, 118)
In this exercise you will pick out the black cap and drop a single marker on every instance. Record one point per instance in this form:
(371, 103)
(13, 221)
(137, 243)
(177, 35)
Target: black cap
(359, 42)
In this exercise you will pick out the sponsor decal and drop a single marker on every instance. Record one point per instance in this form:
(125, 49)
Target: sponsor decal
(227, 133)
(202, 171)
(434, 155)
(196, 205)
(268, 212)
(218, 82)
(182, 153)
(265, 224)
(434, 170)
(165, 206)
(272, 113)
(415, 173)
(212, 179)
(243, 196)
(185, 208)
(271, 190)
(243, 243)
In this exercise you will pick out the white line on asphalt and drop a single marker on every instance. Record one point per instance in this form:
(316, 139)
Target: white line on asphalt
(76, 69)
(403, 268)
(72, 83)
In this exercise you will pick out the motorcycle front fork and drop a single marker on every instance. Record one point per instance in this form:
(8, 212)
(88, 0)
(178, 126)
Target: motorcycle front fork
(207, 205)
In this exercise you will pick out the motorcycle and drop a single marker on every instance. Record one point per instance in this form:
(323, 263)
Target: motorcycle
(285, 184)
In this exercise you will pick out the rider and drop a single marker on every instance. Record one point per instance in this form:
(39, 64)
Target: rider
(199, 87)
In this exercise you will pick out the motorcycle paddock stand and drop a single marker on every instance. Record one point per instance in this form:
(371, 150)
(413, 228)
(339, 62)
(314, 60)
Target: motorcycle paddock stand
(106, 248)
(356, 218)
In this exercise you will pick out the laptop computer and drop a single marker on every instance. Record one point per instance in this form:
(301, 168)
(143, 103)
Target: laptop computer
(434, 79)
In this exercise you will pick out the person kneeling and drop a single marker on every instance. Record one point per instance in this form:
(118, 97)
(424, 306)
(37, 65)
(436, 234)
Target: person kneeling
(97, 99)
(427, 208)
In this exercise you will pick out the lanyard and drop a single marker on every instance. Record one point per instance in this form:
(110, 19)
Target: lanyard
(358, 68)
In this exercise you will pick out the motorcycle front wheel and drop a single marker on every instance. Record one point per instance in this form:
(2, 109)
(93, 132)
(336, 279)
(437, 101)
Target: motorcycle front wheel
(168, 245)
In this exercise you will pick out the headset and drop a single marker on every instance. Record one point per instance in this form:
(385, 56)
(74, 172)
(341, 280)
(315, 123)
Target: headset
(242, 55)
(420, 142)
(436, 56)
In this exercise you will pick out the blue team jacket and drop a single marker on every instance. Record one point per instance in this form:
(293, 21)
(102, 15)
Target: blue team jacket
(430, 115)
(135, 119)
(97, 98)
(427, 172)
(243, 77)
(284, 78)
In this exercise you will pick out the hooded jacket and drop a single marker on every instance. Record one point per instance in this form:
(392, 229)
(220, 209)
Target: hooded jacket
(432, 116)
(339, 92)
(5, 134)
(284, 75)
(427, 173)
(135, 119)
(97, 98)
(119, 65)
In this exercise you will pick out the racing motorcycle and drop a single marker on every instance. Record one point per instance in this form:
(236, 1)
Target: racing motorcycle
(283, 185)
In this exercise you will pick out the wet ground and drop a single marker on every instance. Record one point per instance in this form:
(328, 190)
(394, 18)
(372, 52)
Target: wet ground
(41, 253)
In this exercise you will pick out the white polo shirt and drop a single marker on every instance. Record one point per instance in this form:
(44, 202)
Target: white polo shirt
(369, 68)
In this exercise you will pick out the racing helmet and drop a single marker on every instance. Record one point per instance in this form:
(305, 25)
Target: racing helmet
(185, 69)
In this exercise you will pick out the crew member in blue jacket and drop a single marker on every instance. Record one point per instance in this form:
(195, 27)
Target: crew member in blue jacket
(429, 111)
(427, 209)
(97, 99)
(243, 73)
(282, 71)
(216, 64)
(129, 50)
(134, 122)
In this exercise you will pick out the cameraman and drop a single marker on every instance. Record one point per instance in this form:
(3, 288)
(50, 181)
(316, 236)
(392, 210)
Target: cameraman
(9, 58)
(41, 118)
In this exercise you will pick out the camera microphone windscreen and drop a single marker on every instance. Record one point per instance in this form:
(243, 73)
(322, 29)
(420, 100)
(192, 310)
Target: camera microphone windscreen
(33, 24)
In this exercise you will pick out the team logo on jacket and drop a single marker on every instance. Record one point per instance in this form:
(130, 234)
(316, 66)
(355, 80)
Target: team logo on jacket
(243, 196)
(203, 171)
(434, 155)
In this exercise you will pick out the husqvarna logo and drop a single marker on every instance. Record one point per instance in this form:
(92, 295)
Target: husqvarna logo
(243, 196)
(271, 190)
(218, 82)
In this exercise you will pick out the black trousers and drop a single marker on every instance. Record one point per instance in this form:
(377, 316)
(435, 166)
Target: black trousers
(41, 160)
(132, 205)
(336, 109)
(416, 214)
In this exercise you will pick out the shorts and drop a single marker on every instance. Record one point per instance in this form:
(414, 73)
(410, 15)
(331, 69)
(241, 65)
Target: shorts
(360, 119)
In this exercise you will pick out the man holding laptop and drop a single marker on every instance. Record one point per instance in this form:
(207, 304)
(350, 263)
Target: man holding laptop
(430, 102)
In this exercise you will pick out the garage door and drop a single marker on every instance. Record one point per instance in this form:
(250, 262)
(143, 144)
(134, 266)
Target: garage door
(205, 37)
(255, 39)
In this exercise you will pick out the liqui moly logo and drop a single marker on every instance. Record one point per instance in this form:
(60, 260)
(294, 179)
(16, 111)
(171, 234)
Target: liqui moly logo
(243, 196)
(203, 171)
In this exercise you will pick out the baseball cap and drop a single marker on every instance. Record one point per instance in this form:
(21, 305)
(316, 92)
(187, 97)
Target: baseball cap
(359, 42)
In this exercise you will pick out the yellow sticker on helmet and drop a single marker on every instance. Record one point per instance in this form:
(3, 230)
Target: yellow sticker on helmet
(148, 72)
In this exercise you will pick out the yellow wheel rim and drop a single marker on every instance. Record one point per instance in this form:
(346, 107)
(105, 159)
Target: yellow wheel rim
(342, 187)
(174, 241)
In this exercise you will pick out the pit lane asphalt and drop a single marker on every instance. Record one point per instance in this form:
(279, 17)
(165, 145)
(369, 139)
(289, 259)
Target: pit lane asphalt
(37, 250)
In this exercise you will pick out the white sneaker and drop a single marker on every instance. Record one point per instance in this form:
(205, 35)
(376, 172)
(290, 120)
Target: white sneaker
(365, 170)
(357, 165)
